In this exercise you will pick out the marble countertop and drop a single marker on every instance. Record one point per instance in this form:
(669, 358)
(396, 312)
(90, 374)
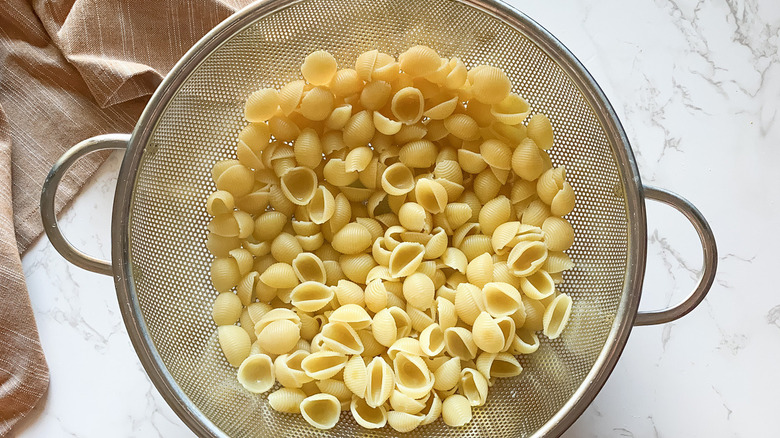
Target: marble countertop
(696, 85)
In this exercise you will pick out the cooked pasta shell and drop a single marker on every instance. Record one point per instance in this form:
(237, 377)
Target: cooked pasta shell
(364, 64)
(336, 388)
(225, 273)
(557, 262)
(559, 232)
(220, 246)
(317, 104)
(413, 217)
(407, 105)
(419, 61)
(279, 275)
(346, 82)
(321, 410)
(309, 267)
(279, 336)
(489, 84)
(431, 195)
(226, 309)
(323, 364)
(556, 316)
(319, 67)
(512, 110)
(498, 365)
(311, 243)
(351, 314)
(527, 161)
(412, 376)
(459, 342)
(447, 375)
(437, 244)
(473, 386)
(285, 247)
(355, 376)
(470, 161)
(234, 342)
(432, 409)
(220, 202)
(524, 342)
(522, 190)
(371, 347)
(283, 128)
(403, 421)
(534, 314)
(405, 259)
(290, 96)
(449, 170)
(487, 334)
(457, 214)
(397, 179)
(256, 373)
(367, 416)
(341, 337)
(442, 110)
(486, 186)
(432, 340)
(287, 400)
(238, 180)
(563, 202)
(288, 369)
(255, 136)
(540, 131)
(335, 172)
(446, 313)
(405, 345)
(469, 302)
(549, 183)
(338, 117)
(268, 225)
(308, 149)
(349, 293)
(462, 126)
(359, 129)
(257, 249)
(501, 299)
(380, 381)
(480, 270)
(496, 154)
(261, 105)
(403, 403)
(375, 95)
(535, 213)
(418, 154)
(526, 258)
(353, 238)
(356, 267)
(385, 68)
(311, 296)
(538, 285)
(390, 324)
(357, 195)
(376, 295)
(456, 411)
(358, 159)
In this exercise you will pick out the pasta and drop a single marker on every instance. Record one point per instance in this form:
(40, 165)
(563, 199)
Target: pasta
(386, 238)
(256, 373)
(227, 309)
(321, 410)
(456, 410)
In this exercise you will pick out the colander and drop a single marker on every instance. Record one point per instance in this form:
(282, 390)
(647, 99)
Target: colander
(160, 263)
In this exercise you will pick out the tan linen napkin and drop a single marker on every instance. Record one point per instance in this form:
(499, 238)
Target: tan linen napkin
(69, 70)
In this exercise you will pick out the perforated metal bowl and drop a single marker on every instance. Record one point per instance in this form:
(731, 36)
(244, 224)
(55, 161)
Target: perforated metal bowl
(161, 265)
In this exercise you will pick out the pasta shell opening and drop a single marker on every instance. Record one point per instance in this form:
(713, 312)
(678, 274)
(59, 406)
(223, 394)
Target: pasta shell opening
(413, 377)
(408, 105)
(256, 373)
(341, 337)
(311, 296)
(405, 259)
(368, 416)
(380, 382)
(459, 342)
(321, 410)
(526, 258)
(397, 179)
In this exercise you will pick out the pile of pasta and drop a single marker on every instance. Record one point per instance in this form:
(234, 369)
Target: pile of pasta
(388, 240)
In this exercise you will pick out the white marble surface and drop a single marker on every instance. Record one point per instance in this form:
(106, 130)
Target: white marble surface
(696, 85)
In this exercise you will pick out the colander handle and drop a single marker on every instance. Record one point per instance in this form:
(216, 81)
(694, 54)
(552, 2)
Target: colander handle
(49, 193)
(710, 252)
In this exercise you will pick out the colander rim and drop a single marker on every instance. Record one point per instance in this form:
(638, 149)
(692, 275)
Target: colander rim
(546, 41)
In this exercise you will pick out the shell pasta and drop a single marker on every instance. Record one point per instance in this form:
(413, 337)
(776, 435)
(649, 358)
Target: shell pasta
(388, 237)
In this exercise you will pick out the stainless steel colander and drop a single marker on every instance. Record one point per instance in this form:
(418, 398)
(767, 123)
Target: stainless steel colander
(161, 265)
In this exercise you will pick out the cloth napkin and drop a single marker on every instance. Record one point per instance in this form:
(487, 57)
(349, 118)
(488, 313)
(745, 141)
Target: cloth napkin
(69, 70)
